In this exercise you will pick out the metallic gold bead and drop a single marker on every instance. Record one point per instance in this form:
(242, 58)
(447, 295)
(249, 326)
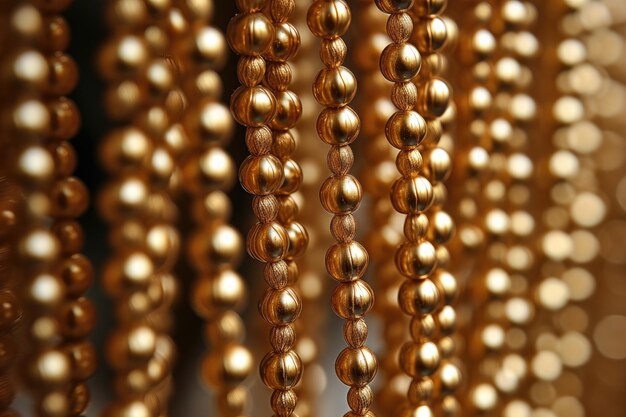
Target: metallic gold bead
(268, 242)
(214, 247)
(431, 34)
(341, 195)
(447, 320)
(10, 311)
(329, 19)
(394, 6)
(450, 378)
(418, 297)
(261, 175)
(430, 7)
(292, 178)
(77, 274)
(212, 207)
(226, 327)
(447, 285)
(31, 117)
(405, 129)
(39, 246)
(49, 368)
(351, 300)
(416, 260)
(421, 391)
(419, 360)
(435, 94)
(34, 164)
(400, 62)
(281, 370)
(298, 240)
(213, 169)
(83, 358)
(356, 367)
(279, 307)
(211, 295)
(439, 165)
(129, 408)
(211, 123)
(442, 228)
(79, 397)
(127, 148)
(288, 110)
(69, 198)
(250, 33)
(338, 126)
(416, 227)
(334, 87)
(163, 244)
(411, 195)
(346, 261)
(131, 346)
(64, 159)
(228, 366)
(285, 44)
(76, 318)
(253, 106)
(210, 47)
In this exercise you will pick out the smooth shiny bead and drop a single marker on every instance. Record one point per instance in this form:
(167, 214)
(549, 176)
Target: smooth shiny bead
(298, 240)
(411, 195)
(416, 260)
(431, 34)
(334, 87)
(338, 126)
(285, 44)
(279, 307)
(442, 228)
(50, 368)
(212, 169)
(405, 129)
(210, 123)
(418, 297)
(400, 62)
(288, 110)
(77, 318)
(253, 106)
(268, 242)
(131, 346)
(346, 261)
(329, 19)
(250, 33)
(69, 198)
(84, 359)
(77, 274)
(356, 367)
(228, 366)
(435, 97)
(341, 195)
(10, 311)
(261, 175)
(221, 292)
(215, 247)
(447, 285)
(281, 370)
(439, 165)
(394, 6)
(419, 360)
(351, 300)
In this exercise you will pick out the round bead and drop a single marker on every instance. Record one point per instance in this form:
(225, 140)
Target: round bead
(77, 274)
(281, 370)
(69, 198)
(415, 227)
(228, 366)
(210, 47)
(346, 261)
(250, 33)
(418, 297)
(46, 290)
(280, 307)
(334, 87)
(83, 358)
(442, 228)
(352, 299)
(127, 148)
(439, 165)
(400, 62)
(288, 111)
(253, 106)
(77, 318)
(341, 195)
(329, 19)
(210, 123)
(50, 368)
(338, 126)
(215, 246)
(431, 34)
(435, 97)
(285, 44)
(411, 195)
(416, 260)
(394, 6)
(211, 170)
(405, 129)
(268, 242)
(298, 239)
(226, 327)
(261, 175)
(292, 178)
(356, 367)
(447, 285)
(450, 378)
(430, 7)
(10, 311)
(131, 346)
(211, 295)
(419, 360)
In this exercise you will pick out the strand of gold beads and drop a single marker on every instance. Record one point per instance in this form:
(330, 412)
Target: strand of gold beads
(346, 261)
(216, 247)
(53, 274)
(140, 155)
(434, 35)
(250, 34)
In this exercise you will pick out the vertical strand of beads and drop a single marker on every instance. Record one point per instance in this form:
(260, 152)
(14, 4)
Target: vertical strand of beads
(434, 35)
(411, 195)
(346, 261)
(250, 34)
(139, 154)
(216, 247)
(58, 317)
(379, 174)
(311, 284)
(278, 78)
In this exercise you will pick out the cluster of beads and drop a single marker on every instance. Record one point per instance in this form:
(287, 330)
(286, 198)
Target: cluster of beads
(346, 261)
(251, 34)
(39, 161)
(141, 155)
(215, 248)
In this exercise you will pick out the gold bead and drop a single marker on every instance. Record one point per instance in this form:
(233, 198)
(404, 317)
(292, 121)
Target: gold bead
(411, 195)
(285, 44)
(39, 246)
(356, 367)
(281, 370)
(83, 358)
(346, 261)
(450, 378)
(227, 367)
(351, 300)
(211, 295)
(400, 62)
(69, 198)
(76, 318)
(213, 169)
(439, 165)
(288, 110)
(211, 123)
(418, 297)
(215, 246)
(419, 360)
(329, 19)
(50, 368)
(163, 245)
(10, 311)
(431, 34)
(292, 178)
(279, 307)
(226, 327)
(435, 94)
(210, 47)
(250, 33)
(131, 346)
(430, 7)
(338, 126)
(442, 228)
(253, 106)
(341, 195)
(394, 6)
(416, 260)
(447, 285)
(261, 175)
(127, 148)
(334, 87)
(268, 242)
(405, 129)
(298, 240)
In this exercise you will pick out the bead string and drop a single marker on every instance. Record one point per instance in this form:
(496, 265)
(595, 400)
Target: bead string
(140, 156)
(216, 247)
(251, 34)
(346, 261)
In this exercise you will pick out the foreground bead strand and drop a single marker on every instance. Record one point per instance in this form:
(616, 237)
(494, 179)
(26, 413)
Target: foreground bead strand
(347, 260)
(140, 157)
(216, 247)
(250, 34)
